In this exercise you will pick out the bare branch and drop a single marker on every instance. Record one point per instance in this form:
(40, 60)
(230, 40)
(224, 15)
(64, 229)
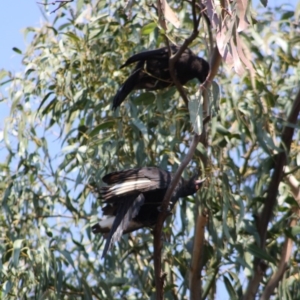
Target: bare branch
(164, 213)
(280, 161)
(197, 258)
(158, 228)
(282, 266)
(270, 203)
(196, 139)
(216, 59)
(196, 265)
(161, 18)
(288, 244)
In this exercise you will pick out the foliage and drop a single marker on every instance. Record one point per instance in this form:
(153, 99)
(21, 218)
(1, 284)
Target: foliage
(62, 137)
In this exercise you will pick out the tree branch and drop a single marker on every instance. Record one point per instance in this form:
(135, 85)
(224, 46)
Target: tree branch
(216, 59)
(279, 160)
(197, 254)
(174, 58)
(161, 18)
(270, 203)
(285, 257)
(164, 213)
(288, 244)
(196, 139)
(197, 257)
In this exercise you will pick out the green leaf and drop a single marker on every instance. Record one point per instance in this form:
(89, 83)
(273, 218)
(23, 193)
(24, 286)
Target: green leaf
(196, 114)
(215, 102)
(264, 2)
(72, 36)
(45, 99)
(16, 251)
(230, 289)
(259, 253)
(140, 126)
(292, 232)
(144, 99)
(102, 126)
(49, 233)
(68, 257)
(17, 50)
(3, 74)
(70, 148)
(6, 288)
(79, 4)
(222, 130)
(288, 15)
(147, 29)
(202, 149)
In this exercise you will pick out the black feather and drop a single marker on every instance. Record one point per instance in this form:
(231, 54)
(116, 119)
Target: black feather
(125, 213)
(133, 197)
(152, 71)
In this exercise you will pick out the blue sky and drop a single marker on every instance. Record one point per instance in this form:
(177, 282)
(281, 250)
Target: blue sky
(14, 16)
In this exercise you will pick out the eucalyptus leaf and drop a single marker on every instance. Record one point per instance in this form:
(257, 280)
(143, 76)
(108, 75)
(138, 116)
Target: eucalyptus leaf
(196, 115)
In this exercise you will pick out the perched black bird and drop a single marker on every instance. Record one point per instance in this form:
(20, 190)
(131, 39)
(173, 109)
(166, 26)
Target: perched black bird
(152, 71)
(133, 198)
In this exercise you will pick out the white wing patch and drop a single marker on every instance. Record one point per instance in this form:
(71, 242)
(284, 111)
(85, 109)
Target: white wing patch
(121, 188)
(107, 223)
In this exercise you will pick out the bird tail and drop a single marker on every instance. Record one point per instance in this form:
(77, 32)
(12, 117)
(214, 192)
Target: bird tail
(126, 212)
(126, 88)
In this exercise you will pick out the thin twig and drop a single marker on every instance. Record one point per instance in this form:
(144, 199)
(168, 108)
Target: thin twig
(61, 4)
(174, 58)
(203, 14)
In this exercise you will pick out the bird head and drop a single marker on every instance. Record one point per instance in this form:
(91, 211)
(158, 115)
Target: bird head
(202, 69)
(191, 186)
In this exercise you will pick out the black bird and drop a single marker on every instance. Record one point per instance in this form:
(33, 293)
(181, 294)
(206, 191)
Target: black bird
(152, 71)
(133, 198)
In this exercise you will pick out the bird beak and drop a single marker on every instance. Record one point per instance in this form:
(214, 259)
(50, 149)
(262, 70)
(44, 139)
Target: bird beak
(199, 182)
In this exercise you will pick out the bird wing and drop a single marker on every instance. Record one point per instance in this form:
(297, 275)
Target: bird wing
(126, 212)
(161, 53)
(133, 182)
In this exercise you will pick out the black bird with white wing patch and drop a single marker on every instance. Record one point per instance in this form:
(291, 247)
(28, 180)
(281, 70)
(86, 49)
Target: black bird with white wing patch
(133, 198)
(152, 71)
